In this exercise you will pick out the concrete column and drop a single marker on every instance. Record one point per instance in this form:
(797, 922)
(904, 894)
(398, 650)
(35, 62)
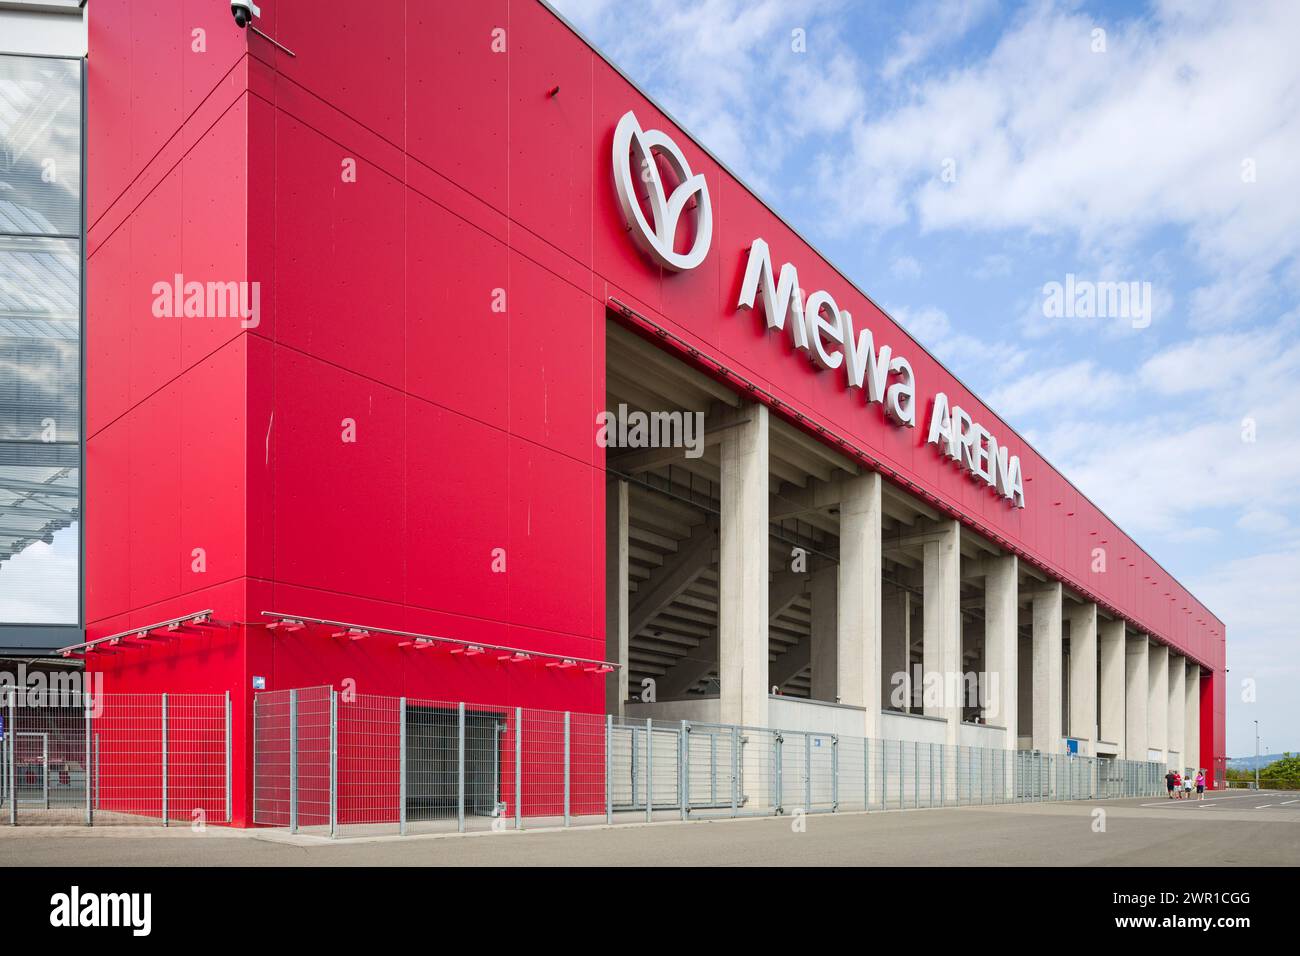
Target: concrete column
(1083, 674)
(941, 627)
(616, 593)
(1177, 705)
(743, 570)
(1136, 693)
(1192, 716)
(1110, 651)
(895, 639)
(1158, 700)
(859, 616)
(1002, 642)
(1047, 668)
(823, 635)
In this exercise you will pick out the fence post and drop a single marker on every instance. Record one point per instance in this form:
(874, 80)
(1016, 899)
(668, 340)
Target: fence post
(13, 755)
(164, 760)
(401, 766)
(713, 768)
(86, 770)
(866, 773)
(683, 768)
(519, 768)
(293, 761)
(229, 761)
(4, 763)
(334, 762)
(835, 773)
(735, 770)
(568, 760)
(649, 769)
(778, 769)
(609, 768)
(807, 773)
(929, 770)
(943, 776)
(884, 774)
(460, 766)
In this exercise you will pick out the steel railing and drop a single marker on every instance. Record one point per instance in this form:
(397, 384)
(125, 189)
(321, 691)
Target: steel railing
(335, 763)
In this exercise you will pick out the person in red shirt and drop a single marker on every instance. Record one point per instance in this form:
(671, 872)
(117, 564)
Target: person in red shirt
(1178, 785)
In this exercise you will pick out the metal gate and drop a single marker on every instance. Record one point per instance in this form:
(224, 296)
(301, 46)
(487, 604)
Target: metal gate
(645, 771)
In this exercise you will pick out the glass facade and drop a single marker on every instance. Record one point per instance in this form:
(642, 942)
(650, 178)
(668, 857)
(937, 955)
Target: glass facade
(40, 339)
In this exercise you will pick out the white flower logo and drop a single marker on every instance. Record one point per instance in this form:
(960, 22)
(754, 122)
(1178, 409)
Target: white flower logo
(635, 147)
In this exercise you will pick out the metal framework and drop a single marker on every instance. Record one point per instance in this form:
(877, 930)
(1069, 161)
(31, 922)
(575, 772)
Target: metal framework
(170, 626)
(418, 641)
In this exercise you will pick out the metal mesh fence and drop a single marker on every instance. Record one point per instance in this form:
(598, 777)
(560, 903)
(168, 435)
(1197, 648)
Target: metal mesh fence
(364, 764)
(114, 758)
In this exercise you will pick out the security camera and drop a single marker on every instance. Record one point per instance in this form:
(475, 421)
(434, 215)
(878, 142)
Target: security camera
(243, 11)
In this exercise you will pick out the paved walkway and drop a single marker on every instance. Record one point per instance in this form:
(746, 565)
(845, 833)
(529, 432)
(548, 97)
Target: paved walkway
(1232, 829)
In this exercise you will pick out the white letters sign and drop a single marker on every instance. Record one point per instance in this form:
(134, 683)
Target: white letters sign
(635, 147)
(817, 326)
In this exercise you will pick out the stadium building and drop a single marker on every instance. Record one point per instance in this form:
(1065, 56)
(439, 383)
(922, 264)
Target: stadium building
(424, 352)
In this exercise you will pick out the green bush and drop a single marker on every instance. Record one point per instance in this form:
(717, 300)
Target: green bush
(1282, 774)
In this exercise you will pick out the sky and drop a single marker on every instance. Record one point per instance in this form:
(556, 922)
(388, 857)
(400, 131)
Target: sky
(956, 157)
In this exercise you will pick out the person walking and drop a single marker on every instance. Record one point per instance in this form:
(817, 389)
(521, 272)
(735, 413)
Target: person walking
(1187, 785)
(1169, 783)
(1200, 784)
(1178, 785)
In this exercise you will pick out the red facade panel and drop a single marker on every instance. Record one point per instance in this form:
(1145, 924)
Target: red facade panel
(458, 328)
(462, 136)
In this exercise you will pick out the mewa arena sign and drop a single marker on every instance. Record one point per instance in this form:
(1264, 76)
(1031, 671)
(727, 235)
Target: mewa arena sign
(817, 325)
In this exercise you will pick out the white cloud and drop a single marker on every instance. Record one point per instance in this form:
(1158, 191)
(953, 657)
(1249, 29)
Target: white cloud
(937, 26)
(1257, 599)
(1048, 136)
(729, 70)
(1164, 463)
(975, 360)
(39, 584)
(1232, 364)
(905, 267)
(1065, 386)
(1264, 521)
(992, 266)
